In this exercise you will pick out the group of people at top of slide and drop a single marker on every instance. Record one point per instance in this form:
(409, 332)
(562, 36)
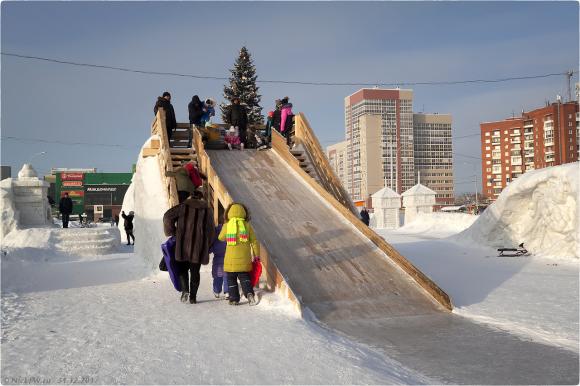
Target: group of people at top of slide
(236, 136)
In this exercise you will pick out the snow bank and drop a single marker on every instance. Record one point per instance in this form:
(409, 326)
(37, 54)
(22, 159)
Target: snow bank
(10, 215)
(438, 223)
(147, 197)
(539, 209)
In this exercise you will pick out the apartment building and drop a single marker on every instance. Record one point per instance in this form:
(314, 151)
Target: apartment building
(540, 138)
(337, 157)
(379, 136)
(433, 154)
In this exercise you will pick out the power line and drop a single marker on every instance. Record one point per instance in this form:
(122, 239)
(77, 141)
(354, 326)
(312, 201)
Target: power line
(64, 143)
(404, 83)
(466, 156)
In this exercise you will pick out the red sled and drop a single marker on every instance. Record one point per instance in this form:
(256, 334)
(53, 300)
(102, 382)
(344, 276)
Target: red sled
(256, 272)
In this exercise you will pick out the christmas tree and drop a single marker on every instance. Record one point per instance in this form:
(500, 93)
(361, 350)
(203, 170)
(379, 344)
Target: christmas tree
(243, 85)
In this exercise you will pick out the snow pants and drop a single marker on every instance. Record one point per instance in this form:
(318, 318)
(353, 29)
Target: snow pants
(130, 234)
(233, 289)
(220, 279)
(192, 284)
(65, 220)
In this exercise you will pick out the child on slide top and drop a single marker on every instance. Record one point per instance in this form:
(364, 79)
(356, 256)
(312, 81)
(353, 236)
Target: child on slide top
(242, 248)
(232, 139)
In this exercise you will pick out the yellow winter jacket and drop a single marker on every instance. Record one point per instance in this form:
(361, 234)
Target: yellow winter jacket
(238, 257)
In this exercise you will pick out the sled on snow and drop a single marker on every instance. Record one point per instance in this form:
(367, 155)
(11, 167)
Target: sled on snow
(168, 262)
(513, 252)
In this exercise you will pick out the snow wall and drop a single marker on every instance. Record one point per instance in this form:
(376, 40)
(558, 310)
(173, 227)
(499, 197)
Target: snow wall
(147, 197)
(10, 215)
(540, 209)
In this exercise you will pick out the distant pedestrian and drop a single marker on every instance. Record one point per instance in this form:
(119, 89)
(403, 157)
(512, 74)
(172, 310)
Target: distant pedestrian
(129, 226)
(170, 121)
(51, 201)
(117, 220)
(242, 248)
(238, 117)
(277, 116)
(192, 224)
(65, 207)
(364, 215)
(218, 248)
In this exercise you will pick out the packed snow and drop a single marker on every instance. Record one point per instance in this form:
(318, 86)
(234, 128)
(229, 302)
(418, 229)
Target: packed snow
(9, 215)
(533, 296)
(539, 209)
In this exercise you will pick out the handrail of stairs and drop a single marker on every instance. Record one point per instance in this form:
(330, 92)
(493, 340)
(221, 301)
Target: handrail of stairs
(304, 135)
(165, 164)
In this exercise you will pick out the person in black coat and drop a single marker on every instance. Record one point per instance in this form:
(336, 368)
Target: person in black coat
(129, 226)
(65, 207)
(238, 116)
(364, 215)
(170, 121)
(195, 108)
(277, 116)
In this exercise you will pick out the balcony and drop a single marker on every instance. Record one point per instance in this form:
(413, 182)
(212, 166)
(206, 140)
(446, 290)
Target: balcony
(549, 142)
(548, 152)
(516, 146)
(514, 133)
(516, 140)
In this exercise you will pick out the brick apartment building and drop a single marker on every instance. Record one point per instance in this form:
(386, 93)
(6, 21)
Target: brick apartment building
(540, 138)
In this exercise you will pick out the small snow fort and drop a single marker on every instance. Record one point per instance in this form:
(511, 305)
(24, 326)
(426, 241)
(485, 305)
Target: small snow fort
(386, 204)
(25, 198)
(539, 209)
(416, 200)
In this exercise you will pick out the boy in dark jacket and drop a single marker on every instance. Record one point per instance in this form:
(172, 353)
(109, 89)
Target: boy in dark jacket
(129, 226)
(65, 207)
(218, 248)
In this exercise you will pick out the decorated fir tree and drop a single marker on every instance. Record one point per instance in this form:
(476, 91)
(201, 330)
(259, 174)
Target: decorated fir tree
(243, 85)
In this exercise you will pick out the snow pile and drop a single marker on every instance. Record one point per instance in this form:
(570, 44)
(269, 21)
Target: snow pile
(48, 243)
(438, 223)
(9, 213)
(147, 197)
(539, 209)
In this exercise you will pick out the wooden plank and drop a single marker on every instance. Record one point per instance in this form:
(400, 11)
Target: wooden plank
(147, 152)
(331, 267)
(279, 145)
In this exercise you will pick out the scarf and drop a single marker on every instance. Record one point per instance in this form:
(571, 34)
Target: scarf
(235, 224)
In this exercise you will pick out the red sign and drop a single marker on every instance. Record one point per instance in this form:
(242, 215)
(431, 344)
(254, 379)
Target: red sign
(71, 176)
(73, 193)
(72, 183)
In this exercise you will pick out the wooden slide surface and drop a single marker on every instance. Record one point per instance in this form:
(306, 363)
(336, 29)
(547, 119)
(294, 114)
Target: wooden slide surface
(334, 270)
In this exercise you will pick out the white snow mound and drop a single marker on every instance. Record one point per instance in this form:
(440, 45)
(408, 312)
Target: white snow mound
(147, 197)
(539, 209)
(9, 214)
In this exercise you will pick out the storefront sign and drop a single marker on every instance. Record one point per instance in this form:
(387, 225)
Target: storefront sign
(73, 193)
(71, 176)
(101, 188)
(72, 183)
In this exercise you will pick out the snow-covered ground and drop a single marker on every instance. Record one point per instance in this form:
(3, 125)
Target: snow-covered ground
(534, 296)
(112, 321)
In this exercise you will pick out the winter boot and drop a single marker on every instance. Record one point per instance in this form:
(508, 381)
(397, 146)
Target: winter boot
(192, 299)
(252, 300)
(233, 303)
(216, 295)
(184, 296)
(227, 296)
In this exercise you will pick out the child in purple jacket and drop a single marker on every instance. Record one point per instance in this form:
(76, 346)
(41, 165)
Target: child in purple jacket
(218, 248)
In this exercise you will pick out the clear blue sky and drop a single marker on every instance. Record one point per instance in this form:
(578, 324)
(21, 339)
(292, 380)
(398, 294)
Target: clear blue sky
(327, 41)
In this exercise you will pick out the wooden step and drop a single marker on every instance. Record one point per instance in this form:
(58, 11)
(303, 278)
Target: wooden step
(182, 151)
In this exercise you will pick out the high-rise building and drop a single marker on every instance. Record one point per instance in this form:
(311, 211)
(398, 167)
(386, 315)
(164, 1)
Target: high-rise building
(433, 154)
(337, 157)
(540, 138)
(379, 136)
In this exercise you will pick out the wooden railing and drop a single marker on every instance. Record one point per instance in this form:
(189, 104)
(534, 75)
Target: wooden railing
(280, 146)
(164, 156)
(304, 135)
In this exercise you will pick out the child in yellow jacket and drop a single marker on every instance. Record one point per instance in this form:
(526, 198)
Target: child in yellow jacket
(241, 248)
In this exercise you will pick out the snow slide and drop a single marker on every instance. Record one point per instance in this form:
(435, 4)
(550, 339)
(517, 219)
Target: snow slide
(539, 209)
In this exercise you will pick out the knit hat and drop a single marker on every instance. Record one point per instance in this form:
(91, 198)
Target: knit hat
(236, 226)
(166, 93)
(232, 129)
(270, 113)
